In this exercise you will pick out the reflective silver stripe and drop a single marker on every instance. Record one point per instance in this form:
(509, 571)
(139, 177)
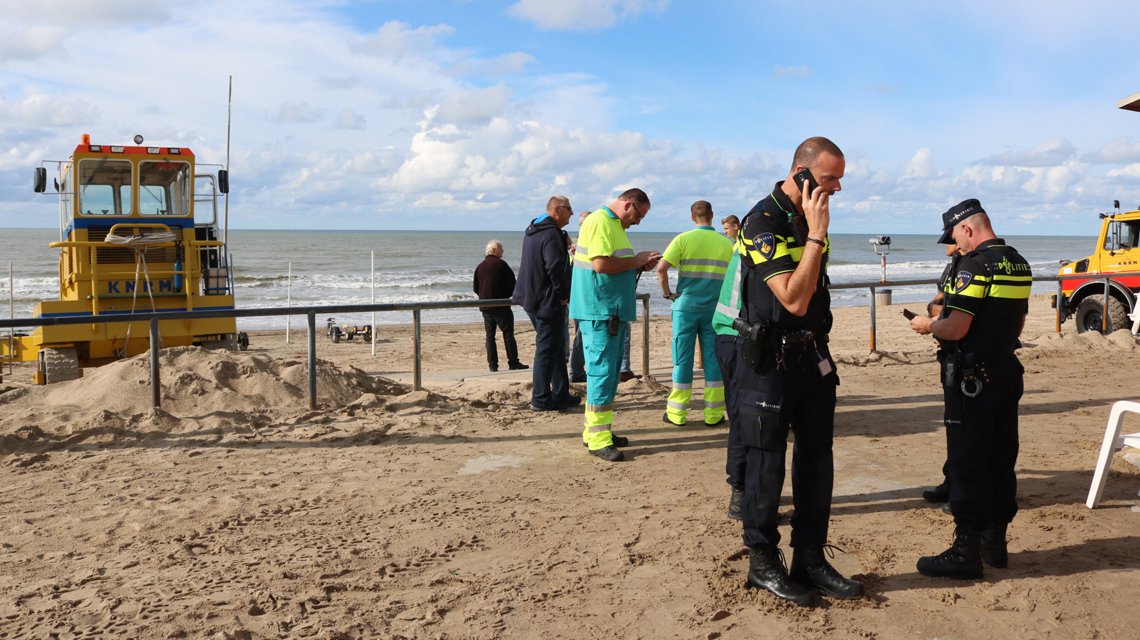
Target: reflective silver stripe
(623, 253)
(598, 428)
(734, 301)
(704, 263)
(677, 405)
(711, 384)
(582, 250)
(726, 310)
(584, 264)
(714, 405)
(700, 275)
(599, 408)
(683, 385)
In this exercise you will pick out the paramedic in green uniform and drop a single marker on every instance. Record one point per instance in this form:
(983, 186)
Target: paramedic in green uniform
(602, 300)
(701, 257)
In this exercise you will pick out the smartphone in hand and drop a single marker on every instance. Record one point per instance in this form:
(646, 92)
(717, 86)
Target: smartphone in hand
(908, 314)
(802, 176)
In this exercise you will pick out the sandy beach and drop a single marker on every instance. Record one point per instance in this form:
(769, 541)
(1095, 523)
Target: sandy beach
(455, 512)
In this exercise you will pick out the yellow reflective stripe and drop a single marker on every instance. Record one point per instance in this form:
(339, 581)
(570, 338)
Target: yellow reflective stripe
(1009, 292)
(702, 262)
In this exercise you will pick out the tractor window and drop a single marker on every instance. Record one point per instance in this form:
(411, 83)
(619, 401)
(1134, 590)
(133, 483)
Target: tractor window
(104, 187)
(1122, 236)
(164, 188)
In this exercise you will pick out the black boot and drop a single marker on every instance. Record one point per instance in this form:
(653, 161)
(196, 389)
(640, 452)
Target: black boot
(941, 493)
(736, 505)
(993, 550)
(766, 571)
(962, 560)
(811, 568)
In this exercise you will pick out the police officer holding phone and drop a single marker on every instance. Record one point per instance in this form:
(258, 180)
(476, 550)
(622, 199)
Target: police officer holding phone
(786, 378)
(981, 386)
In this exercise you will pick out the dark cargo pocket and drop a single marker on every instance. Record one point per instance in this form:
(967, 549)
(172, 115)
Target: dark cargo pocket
(760, 417)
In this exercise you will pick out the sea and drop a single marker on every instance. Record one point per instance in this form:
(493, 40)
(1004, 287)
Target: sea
(302, 268)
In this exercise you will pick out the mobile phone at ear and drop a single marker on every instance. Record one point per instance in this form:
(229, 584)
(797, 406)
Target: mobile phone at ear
(908, 314)
(804, 175)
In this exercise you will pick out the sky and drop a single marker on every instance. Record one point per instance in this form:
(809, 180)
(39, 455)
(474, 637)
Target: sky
(464, 114)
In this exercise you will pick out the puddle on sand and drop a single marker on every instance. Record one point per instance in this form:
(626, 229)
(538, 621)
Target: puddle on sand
(490, 463)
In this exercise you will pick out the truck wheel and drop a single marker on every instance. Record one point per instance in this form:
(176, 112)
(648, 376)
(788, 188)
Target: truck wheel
(1089, 314)
(334, 333)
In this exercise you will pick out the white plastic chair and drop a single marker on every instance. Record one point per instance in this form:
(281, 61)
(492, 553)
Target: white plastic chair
(1113, 441)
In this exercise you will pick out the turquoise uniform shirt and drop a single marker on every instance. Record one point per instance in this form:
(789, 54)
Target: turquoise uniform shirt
(701, 257)
(599, 296)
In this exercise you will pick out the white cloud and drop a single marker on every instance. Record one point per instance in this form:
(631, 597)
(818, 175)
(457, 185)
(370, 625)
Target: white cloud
(297, 113)
(396, 39)
(582, 15)
(45, 110)
(349, 119)
(921, 165)
(799, 71)
(476, 105)
(30, 42)
(1050, 152)
(1117, 151)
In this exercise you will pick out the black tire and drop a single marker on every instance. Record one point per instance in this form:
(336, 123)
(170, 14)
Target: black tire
(1090, 311)
(334, 333)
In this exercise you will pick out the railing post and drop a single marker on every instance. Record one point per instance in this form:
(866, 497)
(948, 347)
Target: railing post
(155, 384)
(873, 326)
(645, 337)
(1104, 309)
(1060, 301)
(312, 318)
(416, 381)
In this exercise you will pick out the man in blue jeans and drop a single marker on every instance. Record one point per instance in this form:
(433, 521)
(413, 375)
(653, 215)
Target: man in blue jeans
(543, 291)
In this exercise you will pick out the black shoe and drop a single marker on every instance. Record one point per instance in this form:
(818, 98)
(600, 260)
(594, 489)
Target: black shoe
(715, 424)
(962, 561)
(581, 378)
(626, 376)
(518, 366)
(941, 493)
(766, 571)
(567, 402)
(736, 505)
(666, 420)
(494, 368)
(543, 407)
(619, 441)
(609, 454)
(993, 549)
(809, 567)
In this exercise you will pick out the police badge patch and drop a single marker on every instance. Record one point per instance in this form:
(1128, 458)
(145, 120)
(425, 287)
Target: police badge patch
(766, 245)
(962, 280)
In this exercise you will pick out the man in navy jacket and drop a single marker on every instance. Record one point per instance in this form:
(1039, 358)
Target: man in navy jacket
(543, 291)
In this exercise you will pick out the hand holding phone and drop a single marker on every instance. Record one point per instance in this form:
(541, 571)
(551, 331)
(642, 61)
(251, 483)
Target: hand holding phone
(908, 314)
(802, 176)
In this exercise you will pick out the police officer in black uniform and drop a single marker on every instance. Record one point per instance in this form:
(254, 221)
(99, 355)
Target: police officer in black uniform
(982, 385)
(786, 377)
(941, 493)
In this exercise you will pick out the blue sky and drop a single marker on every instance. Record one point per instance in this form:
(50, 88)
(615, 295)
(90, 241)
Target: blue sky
(437, 114)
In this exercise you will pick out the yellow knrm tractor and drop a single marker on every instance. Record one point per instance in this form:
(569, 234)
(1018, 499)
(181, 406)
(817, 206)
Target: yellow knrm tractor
(138, 232)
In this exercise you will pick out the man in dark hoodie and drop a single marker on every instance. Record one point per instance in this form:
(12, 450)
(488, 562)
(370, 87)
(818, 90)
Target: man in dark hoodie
(543, 291)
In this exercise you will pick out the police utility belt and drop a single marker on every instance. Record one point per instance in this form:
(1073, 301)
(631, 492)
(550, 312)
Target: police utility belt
(795, 350)
(965, 371)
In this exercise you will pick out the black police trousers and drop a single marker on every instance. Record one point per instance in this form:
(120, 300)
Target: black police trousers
(982, 444)
(727, 356)
(770, 402)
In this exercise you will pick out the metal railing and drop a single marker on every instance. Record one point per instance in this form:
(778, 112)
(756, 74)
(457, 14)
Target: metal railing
(311, 313)
(1092, 278)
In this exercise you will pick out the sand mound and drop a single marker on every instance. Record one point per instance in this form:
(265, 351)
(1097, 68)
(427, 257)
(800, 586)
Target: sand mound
(203, 391)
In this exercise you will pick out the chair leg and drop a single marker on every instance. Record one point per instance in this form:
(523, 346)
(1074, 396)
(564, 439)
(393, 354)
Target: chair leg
(1110, 444)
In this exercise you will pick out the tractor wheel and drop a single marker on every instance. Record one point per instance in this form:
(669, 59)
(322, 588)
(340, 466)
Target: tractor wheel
(59, 365)
(334, 333)
(1090, 314)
